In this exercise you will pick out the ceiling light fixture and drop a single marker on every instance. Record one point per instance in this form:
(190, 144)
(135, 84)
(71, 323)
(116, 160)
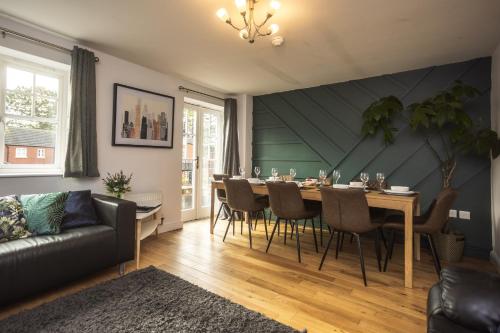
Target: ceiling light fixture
(251, 30)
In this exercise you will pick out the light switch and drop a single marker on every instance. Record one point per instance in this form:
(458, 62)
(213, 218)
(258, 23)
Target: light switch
(453, 213)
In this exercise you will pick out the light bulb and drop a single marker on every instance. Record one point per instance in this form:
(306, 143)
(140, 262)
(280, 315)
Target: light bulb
(223, 15)
(273, 7)
(241, 5)
(273, 28)
(244, 33)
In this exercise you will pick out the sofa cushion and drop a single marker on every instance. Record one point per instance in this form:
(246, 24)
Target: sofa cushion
(78, 210)
(44, 212)
(42, 262)
(471, 299)
(12, 220)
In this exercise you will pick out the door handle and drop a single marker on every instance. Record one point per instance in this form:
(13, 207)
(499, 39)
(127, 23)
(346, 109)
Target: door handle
(197, 162)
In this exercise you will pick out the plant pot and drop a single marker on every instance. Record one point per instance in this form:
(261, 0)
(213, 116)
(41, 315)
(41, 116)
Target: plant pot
(451, 246)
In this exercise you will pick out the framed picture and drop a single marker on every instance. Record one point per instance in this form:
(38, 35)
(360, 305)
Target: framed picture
(142, 118)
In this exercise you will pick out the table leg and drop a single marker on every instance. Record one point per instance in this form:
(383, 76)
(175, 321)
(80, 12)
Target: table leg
(409, 246)
(212, 207)
(137, 243)
(416, 242)
(417, 236)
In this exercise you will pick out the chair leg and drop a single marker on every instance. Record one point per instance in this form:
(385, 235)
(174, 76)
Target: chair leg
(279, 227)
(265, 223)
(326, 250)
(314, 234)
(388, 254)
(218, 214)
(437, 263)
(361, 258)
(352, 238)
(304, 226)
(272, 233)
(230, 220)
(286, 227)
(292, 226)
(382, 237)
(256, 219)
(339, 235)
(298, 241)
(250, 229)
(241, 224)
(377, 248)
(342, 241)
(321, 230)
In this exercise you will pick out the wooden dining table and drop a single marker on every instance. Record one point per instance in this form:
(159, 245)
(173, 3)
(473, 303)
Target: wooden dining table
(409, 205)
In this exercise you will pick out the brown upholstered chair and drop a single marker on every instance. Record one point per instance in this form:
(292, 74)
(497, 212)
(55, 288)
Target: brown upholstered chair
(221, 196)
(428, 224)
(287, 204)
(240, 198)
(347, 211)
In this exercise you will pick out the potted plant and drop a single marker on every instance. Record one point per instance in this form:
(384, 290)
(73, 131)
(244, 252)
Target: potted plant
(117, 184)
(442, 119)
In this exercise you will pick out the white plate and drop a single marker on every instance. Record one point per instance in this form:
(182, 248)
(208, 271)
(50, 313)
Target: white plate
(399, 192)
(340, 186)
(356, 187)
(400, 188)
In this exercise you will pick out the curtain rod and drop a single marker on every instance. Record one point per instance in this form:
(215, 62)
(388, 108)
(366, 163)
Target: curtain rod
(198, 92)
(6, 31)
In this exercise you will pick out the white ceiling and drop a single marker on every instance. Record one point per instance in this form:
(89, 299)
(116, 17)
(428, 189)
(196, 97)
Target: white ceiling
(326, 40)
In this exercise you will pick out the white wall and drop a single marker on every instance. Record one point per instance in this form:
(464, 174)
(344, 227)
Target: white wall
(245, 121)
(495, 168)
(153, 169)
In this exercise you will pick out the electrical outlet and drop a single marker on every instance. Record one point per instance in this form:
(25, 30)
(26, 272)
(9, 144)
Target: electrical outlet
(464, 215)
(453, 213)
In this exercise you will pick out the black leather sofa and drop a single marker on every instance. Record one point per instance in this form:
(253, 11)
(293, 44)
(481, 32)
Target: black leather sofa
(464, 301)
(35, 264)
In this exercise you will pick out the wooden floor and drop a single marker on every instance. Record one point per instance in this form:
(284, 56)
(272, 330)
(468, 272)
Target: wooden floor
(275, 284)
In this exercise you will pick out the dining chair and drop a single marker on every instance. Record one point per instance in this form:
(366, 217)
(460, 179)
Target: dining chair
(428, 224)
(221, 196)
(346, 210)
(287, 204)
(240, 198)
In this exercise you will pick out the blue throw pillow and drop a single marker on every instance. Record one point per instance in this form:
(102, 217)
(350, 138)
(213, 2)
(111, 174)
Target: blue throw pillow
(79, 210)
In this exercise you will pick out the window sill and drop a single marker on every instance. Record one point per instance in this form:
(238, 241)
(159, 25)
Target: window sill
(52, 173)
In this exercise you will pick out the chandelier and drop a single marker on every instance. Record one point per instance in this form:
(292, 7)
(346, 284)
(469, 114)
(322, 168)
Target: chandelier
(251, 29)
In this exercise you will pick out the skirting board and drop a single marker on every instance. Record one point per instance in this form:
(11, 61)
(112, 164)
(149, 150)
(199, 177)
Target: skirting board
(495, 259)
(169, 226)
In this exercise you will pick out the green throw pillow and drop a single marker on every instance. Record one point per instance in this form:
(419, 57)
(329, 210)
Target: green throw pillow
(44, 212)
(12, 221)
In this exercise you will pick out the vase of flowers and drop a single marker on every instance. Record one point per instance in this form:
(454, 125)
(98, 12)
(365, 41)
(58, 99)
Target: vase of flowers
(117, 184)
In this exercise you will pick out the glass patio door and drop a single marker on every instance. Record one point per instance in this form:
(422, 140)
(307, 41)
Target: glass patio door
(201, 158)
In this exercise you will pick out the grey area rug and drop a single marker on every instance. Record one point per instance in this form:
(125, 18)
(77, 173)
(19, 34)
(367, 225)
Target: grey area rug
(149, 300)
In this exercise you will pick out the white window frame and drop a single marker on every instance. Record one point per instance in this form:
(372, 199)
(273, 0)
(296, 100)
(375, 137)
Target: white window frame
(61, 119)
(40, 153)
(21, 149)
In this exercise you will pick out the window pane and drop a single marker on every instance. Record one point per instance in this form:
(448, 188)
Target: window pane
(28, 144)
(45, 108)
(19, 92)
(46, 86)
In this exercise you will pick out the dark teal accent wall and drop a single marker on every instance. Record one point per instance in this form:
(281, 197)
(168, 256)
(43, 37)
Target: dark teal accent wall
(320, 127)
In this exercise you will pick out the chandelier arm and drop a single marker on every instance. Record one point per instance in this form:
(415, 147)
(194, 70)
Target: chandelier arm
(234, 26)
(257, 30)
(268, 16)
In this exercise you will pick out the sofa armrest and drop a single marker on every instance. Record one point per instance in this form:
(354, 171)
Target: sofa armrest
(120, 215)
(434, 301)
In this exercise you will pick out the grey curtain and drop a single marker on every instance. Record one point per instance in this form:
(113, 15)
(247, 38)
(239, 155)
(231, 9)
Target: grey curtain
(231, 150)
(81, 155)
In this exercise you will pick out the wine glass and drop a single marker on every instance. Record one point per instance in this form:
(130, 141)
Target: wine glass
(256, 169)
(365, 177)
(293, 173)
(274, 172)
(380, 180)
(242, 172)
(322, 176)
(336, 175)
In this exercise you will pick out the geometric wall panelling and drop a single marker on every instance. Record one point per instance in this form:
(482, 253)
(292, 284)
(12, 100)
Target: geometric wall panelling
(319, 127)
